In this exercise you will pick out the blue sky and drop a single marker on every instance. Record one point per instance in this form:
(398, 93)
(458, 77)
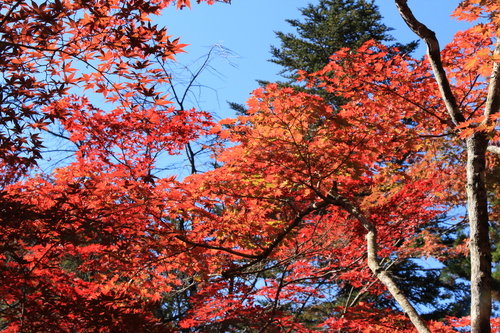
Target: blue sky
(246, 27)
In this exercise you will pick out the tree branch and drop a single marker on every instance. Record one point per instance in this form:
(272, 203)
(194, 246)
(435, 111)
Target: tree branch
(373, 262)
(493, 149)
(493, 99)
(434, 54)
(265, 253)
(213, 247)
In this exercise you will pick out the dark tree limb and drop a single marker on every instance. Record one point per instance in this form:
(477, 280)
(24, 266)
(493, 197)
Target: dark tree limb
(434, 53)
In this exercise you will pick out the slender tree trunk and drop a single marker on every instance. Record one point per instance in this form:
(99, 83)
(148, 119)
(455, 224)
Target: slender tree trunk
(374, 264)
(388, 281)
(479, 243)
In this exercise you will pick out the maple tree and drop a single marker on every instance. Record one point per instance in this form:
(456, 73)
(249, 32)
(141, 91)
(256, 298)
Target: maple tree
(74, 253)
(325, 28)
(306, 194)
(305, 185)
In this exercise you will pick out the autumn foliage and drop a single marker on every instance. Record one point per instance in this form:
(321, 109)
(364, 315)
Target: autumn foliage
(307, 196)
(76, 250)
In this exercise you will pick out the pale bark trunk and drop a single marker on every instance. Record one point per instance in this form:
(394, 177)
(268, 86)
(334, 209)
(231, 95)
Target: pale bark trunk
(479, 243)
(477, 144)
(388, 281)
(374, 263)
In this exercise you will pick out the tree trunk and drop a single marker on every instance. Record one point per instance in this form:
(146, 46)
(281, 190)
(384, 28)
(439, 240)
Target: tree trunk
(479, 243)
(374, 264)
(388, 281)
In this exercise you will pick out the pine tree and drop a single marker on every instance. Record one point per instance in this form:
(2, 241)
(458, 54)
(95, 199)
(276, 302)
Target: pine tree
(326, 28)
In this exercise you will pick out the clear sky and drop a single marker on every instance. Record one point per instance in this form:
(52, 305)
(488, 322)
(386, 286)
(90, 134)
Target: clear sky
(246, 27)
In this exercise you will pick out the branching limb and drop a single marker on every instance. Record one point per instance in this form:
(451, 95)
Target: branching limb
(373, 262)
(434, 54)
(267, 251)
(213, 247)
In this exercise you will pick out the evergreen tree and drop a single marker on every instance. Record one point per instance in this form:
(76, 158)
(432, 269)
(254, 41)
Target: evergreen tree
(326, 28)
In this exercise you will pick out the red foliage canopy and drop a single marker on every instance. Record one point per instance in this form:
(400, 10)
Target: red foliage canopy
(306, 192)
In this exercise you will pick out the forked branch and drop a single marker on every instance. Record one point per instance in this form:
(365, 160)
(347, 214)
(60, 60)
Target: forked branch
(373, 262)
(434, 53)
